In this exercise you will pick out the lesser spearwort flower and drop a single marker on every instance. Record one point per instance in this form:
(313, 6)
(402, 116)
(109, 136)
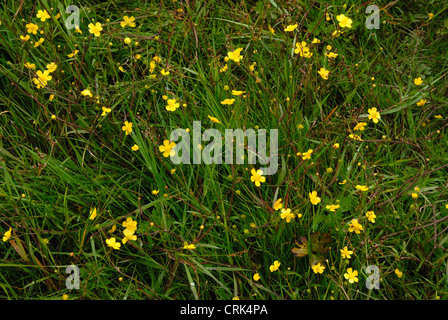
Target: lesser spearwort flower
(318, 268)
(274, 267)
(355, 226)
(167, 148)
(351, 275)
(257, 177)
(314, 199)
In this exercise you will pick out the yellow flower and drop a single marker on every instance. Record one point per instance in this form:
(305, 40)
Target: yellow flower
(7, 235)
(223, 69)
(333, 207)
(42, 78)
(237, 93)
(362, 188)
(51, 97)
(25, 38)
(38, 42)
(190, 246)
(52, 67)
(414, 195)
(360, 126)
(256, 277)
(164, 73)
(291, 27)
(137, 56)
(65, 297)
(31, 28)
(418, 81)
(398, 273)
(324, 73)
(336, 33)
(275, 266)
(355, 226)
(438, 116)
(252, 66)
(155, 192)
(112, 230)
(213, 119)
(134, 147)
(318, 268)
(278, 204)
(355, 137)
(303, 50)
(112, 242)
(87, 92)
(307, 155)
(336, 146)
(287, 215)
(374, 115)
(228, 101)
(421, 102)
(345, 253)
(127, 40)
(130, 224)
(30, 66)
(172, 105)
(152, 66)
(315, 40)
(166, 148)
(257, 177)
(351, 275)
(344, 22)
(235, 55)
(92, 213)
(314, 199)
(430, 16)
(42, 15)
(331, 55)
(127, 127)
(271, 30)
(371, 216)
(128, 235)
(74, 53)
(95, 29)
(127, 21)
(105, 111)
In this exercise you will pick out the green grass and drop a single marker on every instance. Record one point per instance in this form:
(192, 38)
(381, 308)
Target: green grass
(55, 170)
